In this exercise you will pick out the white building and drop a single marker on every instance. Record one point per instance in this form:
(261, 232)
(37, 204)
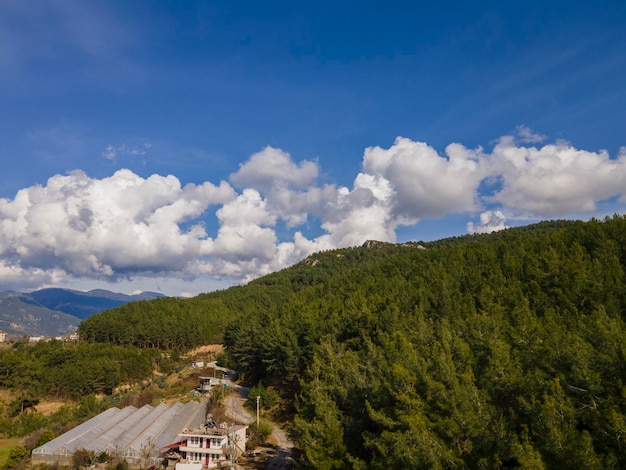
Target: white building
(207, 383)
(208, 445)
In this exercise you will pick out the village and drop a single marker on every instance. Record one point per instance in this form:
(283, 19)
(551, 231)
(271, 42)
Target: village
(4, 337)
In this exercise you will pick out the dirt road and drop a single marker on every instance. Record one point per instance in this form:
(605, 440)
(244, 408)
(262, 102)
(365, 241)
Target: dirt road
(283, 456)
(284, 451)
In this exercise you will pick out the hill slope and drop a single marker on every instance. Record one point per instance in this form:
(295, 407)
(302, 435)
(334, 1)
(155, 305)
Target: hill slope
(21, 315)
(497, 351)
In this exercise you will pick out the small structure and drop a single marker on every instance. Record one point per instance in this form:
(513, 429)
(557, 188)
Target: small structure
(207, 383)
(3, 336)
(197, 364)
(208, 446)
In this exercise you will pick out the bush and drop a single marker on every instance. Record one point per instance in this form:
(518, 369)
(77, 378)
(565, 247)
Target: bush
(28, 422)
(123, 465)
(82, 458)
(258, 436)
(221, 360)
(46, 436)
(16, 455)
(37, 438)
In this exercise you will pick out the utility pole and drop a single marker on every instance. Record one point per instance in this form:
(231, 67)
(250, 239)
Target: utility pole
(233, 459)
(258, 398)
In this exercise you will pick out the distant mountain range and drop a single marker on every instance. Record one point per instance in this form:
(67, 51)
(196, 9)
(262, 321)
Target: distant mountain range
(55, 312)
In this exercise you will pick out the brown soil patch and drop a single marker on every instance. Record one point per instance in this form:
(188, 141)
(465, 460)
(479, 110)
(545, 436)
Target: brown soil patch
(5, 445)
(5, 396)
(8, 442)
(207, 349)
(49, 407)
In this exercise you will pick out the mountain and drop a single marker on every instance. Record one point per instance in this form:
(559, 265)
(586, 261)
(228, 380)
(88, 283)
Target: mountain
(21, 315)
(56, 312)
(84, 304)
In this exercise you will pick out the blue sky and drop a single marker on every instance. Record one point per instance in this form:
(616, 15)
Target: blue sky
(189, 146)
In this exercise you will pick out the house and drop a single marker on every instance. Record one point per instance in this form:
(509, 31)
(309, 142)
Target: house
(72, 337)
(207, 383)
(3, 336)
(210, 446)
(197, 364)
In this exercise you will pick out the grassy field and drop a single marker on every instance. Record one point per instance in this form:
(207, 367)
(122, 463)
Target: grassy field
(5, 445)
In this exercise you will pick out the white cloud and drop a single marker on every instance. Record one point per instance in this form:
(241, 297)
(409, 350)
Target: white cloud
(245, 231)
(271, 168)
(112, 152)
(424, 183)
(555, 179)
(490, 221)
(109, 228)
(526, 136)
(134, 228)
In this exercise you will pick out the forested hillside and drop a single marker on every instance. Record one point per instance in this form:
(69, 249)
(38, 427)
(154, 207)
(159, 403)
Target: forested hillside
(491, 351)
(170, 322)
(70, 370)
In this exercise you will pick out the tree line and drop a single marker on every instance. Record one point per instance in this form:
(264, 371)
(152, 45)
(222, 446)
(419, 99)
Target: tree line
(167, 323)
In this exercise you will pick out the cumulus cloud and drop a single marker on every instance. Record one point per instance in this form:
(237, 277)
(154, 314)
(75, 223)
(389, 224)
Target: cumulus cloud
(490, 221)
(125, 226)
(555, 179)
(426, 184)
(117, 226)
(245, 231)
(272, 168)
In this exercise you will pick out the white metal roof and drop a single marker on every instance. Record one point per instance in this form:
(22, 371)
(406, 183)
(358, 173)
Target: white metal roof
(104, 440)
(128, 430)
(52, 446)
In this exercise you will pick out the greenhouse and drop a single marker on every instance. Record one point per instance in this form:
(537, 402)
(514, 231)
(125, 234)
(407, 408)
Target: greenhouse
(137, 435)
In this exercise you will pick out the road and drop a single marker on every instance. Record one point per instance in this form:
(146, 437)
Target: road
(284, 451)
(283, 458)
(234, 404)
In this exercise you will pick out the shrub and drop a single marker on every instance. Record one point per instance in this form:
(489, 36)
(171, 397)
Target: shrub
(123, 465)
(258, 435)
(46, 436)
(16, 455)
(82, 458)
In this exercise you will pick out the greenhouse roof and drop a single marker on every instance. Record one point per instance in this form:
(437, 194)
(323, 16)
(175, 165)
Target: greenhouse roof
(128, 430)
